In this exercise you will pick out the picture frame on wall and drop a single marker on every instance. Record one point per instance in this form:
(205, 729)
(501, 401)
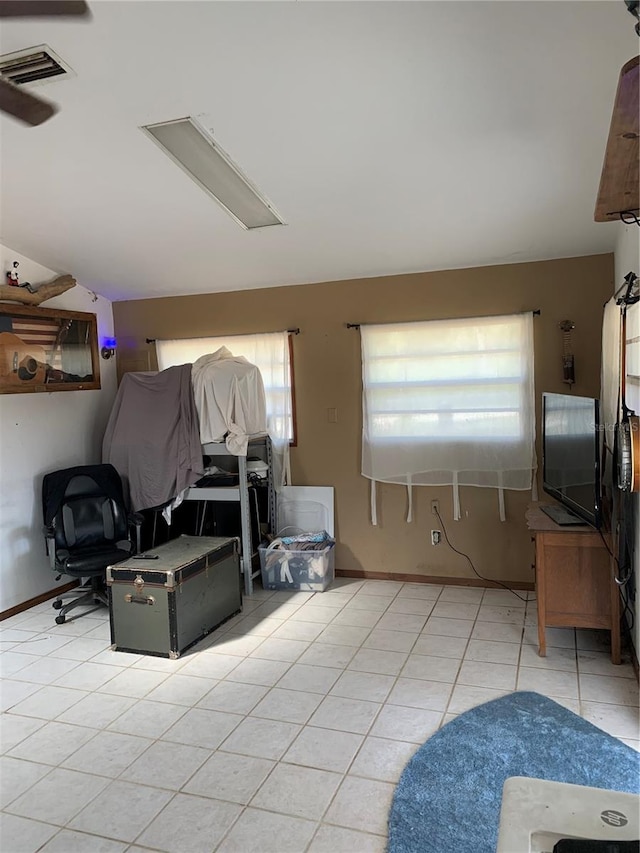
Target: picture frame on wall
(45, 349)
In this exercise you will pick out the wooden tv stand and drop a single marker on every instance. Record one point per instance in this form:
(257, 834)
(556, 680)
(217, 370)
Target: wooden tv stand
(575, 586)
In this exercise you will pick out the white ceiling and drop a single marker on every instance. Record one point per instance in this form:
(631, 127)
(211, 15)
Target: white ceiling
(392, 136)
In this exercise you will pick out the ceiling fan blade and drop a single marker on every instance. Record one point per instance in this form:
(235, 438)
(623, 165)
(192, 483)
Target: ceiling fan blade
(42, 8)
(24, 106)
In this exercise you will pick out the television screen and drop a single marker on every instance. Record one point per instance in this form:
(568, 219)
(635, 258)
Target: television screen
(570, 452)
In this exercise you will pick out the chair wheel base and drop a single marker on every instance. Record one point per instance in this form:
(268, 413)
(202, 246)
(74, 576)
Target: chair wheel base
(60, 620)
(57, 604)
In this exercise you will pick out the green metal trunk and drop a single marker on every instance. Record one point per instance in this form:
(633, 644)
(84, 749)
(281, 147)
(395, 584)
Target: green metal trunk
(164, 601)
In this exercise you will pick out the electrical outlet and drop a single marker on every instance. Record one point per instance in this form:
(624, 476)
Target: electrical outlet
(435, 507)
(436, 537)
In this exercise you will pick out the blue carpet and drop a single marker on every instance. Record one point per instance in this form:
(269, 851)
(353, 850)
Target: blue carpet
(448, 798)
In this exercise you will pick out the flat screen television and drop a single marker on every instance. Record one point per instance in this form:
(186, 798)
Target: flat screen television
(571, 454)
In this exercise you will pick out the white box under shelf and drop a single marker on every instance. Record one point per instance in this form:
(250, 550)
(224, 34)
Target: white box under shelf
(213, 493)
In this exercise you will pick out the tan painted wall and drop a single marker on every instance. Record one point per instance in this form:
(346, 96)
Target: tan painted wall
(327, 375)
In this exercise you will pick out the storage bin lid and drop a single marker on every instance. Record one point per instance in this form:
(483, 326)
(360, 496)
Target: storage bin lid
(308, 497)
(302, 515)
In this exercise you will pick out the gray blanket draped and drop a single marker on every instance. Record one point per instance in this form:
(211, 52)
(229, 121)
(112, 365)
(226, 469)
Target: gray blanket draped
(152, 437)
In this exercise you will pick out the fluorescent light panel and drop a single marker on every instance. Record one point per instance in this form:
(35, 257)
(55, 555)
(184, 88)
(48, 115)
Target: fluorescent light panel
(199, 155)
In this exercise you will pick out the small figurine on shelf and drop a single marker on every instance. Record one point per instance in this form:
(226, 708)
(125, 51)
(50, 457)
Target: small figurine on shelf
(13, 278)
(12, 274)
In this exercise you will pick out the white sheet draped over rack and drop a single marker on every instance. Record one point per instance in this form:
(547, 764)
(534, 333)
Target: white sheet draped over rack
(270, 353)
(229, 396)
(160, 421)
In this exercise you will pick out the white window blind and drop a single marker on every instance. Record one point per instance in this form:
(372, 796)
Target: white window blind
(270, 353)
(449, 402)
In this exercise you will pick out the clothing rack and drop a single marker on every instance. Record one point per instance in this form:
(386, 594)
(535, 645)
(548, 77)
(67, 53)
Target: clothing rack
(240, 494)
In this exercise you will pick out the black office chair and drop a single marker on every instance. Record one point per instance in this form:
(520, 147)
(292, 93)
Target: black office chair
(87, 528)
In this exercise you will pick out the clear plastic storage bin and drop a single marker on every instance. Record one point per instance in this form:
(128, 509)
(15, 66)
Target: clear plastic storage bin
(307, 570)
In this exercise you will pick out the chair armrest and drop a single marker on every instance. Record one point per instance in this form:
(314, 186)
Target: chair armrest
(135, 520)
(50, 544)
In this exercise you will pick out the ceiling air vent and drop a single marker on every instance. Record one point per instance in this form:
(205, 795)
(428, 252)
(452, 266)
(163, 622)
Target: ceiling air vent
(35, 65)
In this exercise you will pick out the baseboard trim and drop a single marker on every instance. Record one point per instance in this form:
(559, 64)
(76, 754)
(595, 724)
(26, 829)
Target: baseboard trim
(38, 599)
(409, 578)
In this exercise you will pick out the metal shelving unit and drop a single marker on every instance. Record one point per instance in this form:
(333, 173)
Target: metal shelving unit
(240, 494)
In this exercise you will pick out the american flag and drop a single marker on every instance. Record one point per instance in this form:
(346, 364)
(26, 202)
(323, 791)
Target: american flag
(41, 332)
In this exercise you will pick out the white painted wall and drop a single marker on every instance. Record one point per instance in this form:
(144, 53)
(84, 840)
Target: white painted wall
(41, 432)
(627, 259)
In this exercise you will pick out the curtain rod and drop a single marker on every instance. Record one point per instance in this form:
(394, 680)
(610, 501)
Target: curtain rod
(536, 312)
(242, 335)
(630, 281)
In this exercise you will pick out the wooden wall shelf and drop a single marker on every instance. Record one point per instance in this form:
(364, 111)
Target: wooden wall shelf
(618, 192)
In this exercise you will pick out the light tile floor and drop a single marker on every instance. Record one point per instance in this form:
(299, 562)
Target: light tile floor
(285, 730)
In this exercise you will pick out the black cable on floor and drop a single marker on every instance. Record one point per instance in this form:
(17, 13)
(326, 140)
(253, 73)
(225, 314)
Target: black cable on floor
(473, 568)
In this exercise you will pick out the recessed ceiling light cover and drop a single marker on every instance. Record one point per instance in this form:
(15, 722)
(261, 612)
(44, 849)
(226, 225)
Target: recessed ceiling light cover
(197, 153)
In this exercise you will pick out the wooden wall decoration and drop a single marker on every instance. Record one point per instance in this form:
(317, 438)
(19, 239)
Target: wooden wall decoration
(568, 362)
(43, 349)
(14, 293)
(619, 193)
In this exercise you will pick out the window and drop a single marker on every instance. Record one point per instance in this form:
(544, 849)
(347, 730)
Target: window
(449, 402)
(270, 352)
